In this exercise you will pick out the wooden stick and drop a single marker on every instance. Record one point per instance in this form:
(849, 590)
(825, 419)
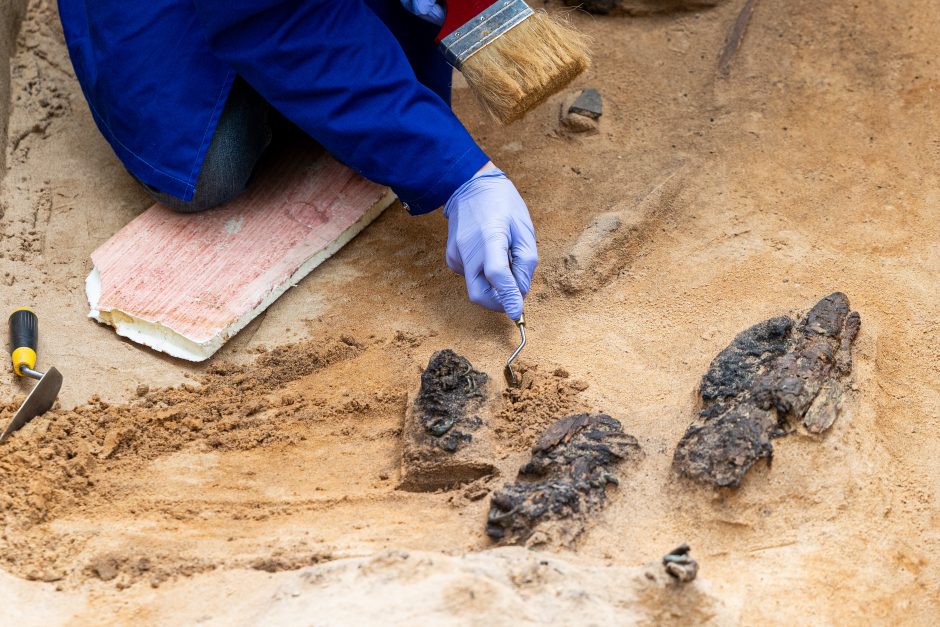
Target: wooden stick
(735, 37)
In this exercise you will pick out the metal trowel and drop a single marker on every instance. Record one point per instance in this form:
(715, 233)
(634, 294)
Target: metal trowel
(24, 341)
(512, 379)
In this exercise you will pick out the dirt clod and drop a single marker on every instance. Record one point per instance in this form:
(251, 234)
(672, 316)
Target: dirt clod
(104, 568)
(774, 375)
(564, 482)
(588, 103)
(526, 411)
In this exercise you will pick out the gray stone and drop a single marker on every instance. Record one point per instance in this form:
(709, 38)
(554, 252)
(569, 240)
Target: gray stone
(588, 103)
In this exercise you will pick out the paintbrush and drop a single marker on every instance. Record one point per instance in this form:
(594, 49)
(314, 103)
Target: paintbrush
(512, 57)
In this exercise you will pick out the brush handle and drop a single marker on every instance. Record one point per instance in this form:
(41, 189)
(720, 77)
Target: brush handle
(24, 340)
(459, 12)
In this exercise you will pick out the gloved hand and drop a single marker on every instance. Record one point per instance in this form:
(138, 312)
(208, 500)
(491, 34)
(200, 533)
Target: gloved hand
(487, 223)
(429, 10)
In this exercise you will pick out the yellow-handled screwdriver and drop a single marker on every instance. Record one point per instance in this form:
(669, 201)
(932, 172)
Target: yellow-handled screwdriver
(24, 342)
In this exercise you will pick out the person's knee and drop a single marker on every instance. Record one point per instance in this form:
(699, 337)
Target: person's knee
(197, 205)
(242, 135)
(182, 206)
(206, 196)
(211, 192)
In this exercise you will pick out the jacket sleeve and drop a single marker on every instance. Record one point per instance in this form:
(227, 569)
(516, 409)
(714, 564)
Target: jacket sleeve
(335, 70)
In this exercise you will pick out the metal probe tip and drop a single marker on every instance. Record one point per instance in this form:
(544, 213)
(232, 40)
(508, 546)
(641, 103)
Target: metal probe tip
(511, 377)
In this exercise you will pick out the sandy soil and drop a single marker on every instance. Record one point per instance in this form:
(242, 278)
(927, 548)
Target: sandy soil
(811, 168)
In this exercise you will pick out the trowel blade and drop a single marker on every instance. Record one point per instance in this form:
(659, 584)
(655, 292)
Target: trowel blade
(39, 401)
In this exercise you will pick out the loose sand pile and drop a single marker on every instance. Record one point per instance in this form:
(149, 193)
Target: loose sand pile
(811, 169)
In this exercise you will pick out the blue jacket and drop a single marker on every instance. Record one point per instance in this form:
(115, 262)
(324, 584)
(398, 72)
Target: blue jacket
(362, 77)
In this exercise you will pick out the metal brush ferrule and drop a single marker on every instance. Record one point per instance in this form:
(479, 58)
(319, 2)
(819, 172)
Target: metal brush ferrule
(483, 30)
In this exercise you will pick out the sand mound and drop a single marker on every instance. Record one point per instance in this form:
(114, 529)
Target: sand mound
(509, 586)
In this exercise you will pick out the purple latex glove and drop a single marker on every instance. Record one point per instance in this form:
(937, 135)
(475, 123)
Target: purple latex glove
(488, 222)
(428, 10)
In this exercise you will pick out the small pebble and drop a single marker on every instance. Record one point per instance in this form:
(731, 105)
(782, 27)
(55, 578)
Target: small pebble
(581, 110)
(349, 340)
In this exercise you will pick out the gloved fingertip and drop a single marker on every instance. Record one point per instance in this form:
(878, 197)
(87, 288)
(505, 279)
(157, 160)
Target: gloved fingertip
(523, 276)
(482, 293)
(511, 301)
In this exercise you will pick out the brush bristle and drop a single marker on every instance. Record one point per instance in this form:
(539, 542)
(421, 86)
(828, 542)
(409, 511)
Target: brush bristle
(520, 69)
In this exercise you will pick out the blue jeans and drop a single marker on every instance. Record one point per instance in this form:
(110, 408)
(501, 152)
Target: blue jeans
(241, 137)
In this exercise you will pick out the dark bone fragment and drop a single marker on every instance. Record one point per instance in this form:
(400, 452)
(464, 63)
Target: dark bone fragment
(773, 376)
(588, 103)
(564, 481)
(680, 565)
(444, 443)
